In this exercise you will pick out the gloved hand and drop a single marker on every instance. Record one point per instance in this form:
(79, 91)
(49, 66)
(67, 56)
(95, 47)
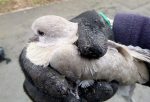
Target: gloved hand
(93, 32)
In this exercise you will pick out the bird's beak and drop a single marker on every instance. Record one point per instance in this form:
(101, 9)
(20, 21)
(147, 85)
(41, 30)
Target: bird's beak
(35, 38)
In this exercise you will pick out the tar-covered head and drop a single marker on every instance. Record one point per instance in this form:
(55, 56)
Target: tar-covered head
(53, 29)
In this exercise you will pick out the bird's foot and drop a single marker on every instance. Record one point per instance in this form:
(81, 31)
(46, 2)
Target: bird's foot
(86, 83)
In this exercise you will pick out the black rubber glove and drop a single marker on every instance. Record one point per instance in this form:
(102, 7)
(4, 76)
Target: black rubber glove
(100, 91)
(93, 33)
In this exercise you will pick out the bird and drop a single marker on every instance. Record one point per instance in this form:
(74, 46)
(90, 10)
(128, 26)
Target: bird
(91, 43)
(56, 47)
(62, 32)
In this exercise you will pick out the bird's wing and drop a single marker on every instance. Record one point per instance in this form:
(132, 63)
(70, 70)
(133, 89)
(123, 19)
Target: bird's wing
(138, 55)
(136, 52)
(122, 49)
(141, 56)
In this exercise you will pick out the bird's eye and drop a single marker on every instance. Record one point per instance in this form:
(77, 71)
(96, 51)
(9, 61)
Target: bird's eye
(40, 33)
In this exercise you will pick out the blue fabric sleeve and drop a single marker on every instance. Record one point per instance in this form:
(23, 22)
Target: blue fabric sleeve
(132, 29)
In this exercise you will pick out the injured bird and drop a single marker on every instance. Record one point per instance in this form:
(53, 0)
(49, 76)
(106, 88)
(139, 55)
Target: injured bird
(46, 83)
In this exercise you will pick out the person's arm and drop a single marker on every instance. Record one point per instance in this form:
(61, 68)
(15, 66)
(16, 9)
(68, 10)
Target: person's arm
(132, 29)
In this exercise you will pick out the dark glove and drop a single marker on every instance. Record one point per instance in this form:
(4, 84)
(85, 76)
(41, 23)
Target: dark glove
(93, 33)
(99, 91)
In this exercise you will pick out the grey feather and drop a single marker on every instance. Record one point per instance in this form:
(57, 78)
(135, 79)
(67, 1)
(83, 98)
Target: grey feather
(141, 54)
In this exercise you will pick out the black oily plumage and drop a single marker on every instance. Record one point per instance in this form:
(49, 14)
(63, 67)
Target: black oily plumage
(93, 33)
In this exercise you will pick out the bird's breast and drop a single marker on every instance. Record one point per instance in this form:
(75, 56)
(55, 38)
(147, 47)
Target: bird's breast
(39, 55)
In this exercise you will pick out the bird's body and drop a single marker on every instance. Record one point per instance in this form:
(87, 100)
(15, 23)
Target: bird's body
(117, 64)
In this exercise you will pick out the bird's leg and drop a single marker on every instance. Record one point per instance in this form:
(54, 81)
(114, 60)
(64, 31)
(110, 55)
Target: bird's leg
(76, 89)
(131, 93)
(74, 92)
(86, 83)
(83, 84)
(127, 92)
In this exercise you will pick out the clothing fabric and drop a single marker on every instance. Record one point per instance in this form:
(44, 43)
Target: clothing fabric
(132, 29)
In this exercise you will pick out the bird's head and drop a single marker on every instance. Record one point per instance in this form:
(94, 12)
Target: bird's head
(52, 29)
(85, 34)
